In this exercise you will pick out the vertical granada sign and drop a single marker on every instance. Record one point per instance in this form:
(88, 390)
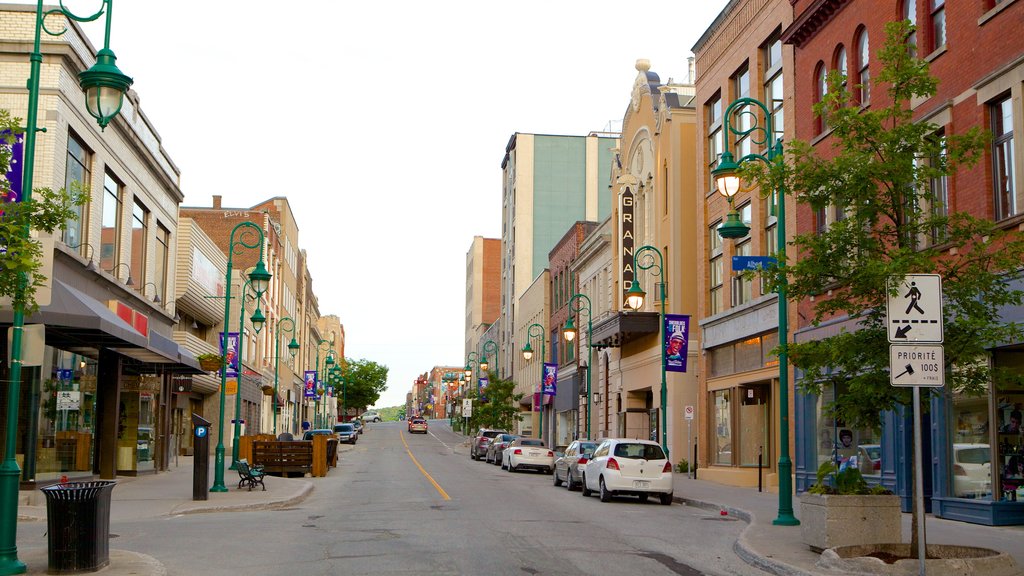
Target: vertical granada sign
(628, 240)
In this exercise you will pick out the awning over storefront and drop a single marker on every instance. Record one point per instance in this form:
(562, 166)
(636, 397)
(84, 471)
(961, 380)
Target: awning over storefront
(623, 327)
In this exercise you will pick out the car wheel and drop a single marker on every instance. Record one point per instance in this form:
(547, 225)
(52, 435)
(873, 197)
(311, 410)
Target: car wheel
(511, 468)
(666, 499)
(604, 493)
(569, 484)
(643, 497)
(556, 480)
(583, 486)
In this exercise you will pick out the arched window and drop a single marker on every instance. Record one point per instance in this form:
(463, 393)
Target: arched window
(863, 59)
(820, 90)
(839, 64)
(910, 13)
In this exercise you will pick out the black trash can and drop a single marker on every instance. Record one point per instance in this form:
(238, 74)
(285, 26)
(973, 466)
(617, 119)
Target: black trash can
(78, 526)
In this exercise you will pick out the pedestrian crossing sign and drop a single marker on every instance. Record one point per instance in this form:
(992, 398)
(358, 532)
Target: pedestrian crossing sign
(914, 309)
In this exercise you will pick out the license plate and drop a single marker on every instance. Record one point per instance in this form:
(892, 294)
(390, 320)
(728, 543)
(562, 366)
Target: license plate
(532, 453)
(641, 483)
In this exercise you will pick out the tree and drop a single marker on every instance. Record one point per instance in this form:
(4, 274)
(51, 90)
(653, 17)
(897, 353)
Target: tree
(501, 410)
(876, 177)
(364, 380)
(20, 254)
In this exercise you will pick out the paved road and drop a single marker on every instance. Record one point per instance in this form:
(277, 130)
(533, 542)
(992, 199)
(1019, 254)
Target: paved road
(416, 504)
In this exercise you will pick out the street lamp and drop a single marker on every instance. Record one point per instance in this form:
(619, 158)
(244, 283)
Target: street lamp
(727, 181)
(635, 300)
(251, 237)
(319, 376)
(293, 348)
(105, 80)
(471, 361)
(329, 371)
(258, 320)
(489, 345)
(581, 303)
(528, 354)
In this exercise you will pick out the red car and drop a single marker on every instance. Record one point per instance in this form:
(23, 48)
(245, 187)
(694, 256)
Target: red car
(417, 425)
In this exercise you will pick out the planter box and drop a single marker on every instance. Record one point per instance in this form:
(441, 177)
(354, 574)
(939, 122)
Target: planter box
(827, 521)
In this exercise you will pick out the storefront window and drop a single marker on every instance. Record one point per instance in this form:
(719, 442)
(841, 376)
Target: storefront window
(845, 445)
(66, 418)
(754, 420)
(972, 455)
(723, 426)
(136, 440)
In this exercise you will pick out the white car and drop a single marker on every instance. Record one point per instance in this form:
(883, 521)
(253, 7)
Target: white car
(371, 416)
(528, 453)
(626, 466)
(972, 470)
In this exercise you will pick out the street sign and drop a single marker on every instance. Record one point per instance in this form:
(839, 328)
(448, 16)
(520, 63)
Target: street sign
(68, 400)
(467, 407)
(688, 413)
(752, 262)
(917, 365)
(914, 314)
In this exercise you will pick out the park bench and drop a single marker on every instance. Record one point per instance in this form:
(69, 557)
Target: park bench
(250, 476)
(283, 458)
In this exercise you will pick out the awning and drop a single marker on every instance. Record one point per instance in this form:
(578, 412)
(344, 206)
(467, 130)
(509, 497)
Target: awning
(623, 327)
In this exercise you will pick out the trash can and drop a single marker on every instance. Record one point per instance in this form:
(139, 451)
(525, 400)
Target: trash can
(78, 526)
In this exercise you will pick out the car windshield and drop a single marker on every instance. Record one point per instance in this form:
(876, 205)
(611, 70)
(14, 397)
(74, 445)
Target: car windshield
(977, 455)
(639, 451)
(588, 447)
(343, 428)
(490, 433)
(506, 437)
(531, 442)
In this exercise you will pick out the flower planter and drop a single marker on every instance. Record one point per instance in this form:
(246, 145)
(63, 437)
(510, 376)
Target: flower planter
(828, 520)
(942, 560)
(211, 364)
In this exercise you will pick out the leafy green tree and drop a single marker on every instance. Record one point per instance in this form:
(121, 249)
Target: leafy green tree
(20, 254)
(364, 382)
(501, 410)
(877, 177)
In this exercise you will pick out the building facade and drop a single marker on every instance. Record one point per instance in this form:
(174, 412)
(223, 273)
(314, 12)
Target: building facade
(483, 288)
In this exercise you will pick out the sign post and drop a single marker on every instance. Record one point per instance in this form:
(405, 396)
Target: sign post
(688, 415)
(467, 412)
(913, 316)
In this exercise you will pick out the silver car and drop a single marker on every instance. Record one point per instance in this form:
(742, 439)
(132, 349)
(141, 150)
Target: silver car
(567, 467)
(346, 433)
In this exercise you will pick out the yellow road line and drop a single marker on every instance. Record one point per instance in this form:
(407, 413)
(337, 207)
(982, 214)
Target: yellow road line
(416, 462)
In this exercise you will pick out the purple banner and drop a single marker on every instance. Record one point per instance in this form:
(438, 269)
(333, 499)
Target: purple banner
(549, 378)
(230, 351)
(677, 333)
(309, 390)
(481, 388)
(14, 171)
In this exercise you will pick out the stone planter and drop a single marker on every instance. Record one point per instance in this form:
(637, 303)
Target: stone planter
(827, 521)
(943, 560)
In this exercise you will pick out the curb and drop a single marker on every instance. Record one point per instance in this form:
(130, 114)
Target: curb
(741, 547)
(121, 562)
(302, 494)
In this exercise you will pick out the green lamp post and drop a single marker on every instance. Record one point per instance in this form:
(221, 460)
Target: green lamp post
(727, 181)
(484, 364)
(329, 371)
(581, 303)
(293, 348)
(319, 376)
(251, 236)
(528, 354)
(258, 320)
(635, 300)
(471, 363)
(104, 87)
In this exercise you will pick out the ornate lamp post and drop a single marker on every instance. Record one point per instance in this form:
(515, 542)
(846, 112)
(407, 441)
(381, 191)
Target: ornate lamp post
(104, 87)
(293, 348)
(727, 181)
(251, 237)
(258, 320)
(319, 375)
(527, 354)
(471, 363)
(635, 300)
(484, 364)
(581, 303)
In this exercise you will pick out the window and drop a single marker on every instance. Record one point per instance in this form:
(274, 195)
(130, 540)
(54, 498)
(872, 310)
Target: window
(753, 419)
(840, 62)
(744, 116)
(938, 17)
(843, 444)
(714, 112)
(163, 238)
(820, 91)
(76, 177)
(938, 195)
(910, 13)
(742, 288)
(723, 427)
(863, 59)
(110, 234)
(1003, 159)
(716, 271)
(773, 85)
(137, 267)
(821, 219)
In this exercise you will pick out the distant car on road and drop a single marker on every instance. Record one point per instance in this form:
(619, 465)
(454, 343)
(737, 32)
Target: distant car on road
(528, 454)
(371, 416)
(478, 447)
(417, 425)
(626, 466)
(308, 434)
(355, 421)
(346, 433)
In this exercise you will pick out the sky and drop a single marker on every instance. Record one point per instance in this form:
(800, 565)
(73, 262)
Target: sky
(385, 124)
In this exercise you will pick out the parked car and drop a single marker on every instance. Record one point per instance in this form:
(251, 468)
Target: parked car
(417, 424)
(497, 446)
(528, 454)
(371, 416)
(567, 466)
(308, 434)
(478, 447)
(972, 470)
(625, 466)
(869, 458)
(346, 433)
(357, 423)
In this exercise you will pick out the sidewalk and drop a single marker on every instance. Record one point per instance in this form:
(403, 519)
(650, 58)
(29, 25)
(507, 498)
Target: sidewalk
(780, 550)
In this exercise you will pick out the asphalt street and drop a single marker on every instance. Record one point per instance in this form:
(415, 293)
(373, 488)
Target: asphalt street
(403, 503)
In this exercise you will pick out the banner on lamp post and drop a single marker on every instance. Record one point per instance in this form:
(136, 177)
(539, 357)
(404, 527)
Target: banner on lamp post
(677, 331)
(229, 348)
(549, 378)
(481, 388)
(309, 377)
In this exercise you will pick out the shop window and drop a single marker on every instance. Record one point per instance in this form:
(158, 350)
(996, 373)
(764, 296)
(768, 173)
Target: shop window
(754, 424)
(62, 437)
(1009, 458)
(77, 177)
(1003, 157)
(748, 354)
(722, 362)
(110, 234)
(843, 444)
(971, 454)
(723, 427)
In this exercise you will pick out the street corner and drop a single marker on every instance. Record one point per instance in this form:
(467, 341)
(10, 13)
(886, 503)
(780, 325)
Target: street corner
(280, 493)
(121, 562)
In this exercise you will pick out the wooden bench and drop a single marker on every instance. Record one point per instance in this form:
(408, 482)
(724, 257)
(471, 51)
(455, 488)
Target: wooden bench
(283, 457)
(250, 476)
